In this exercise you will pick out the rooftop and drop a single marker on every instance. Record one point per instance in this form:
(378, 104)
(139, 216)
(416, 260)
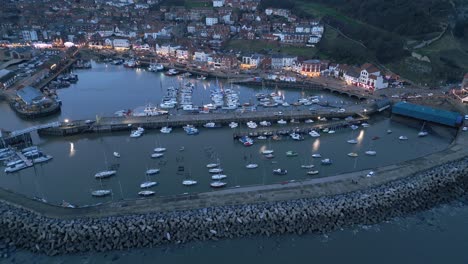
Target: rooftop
(427, 113)
(29, 94)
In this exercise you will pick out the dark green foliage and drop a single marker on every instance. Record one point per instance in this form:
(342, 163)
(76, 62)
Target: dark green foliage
(285, 4)
(460, 30)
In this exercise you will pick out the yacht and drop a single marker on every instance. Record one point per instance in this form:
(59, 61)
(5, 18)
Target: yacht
(233, 125)
(326, 162)
(148, 184)
(316, 155)
(352, 141)
(309, 121)
(403, 138)
(189, 182)
(314, 172)
(218, 184)
(269, 156)
(116, 154)
(146, 193)
(296, 136)
(212, 165)
(215, 170)
(42, 158)
(191, 131)
(307, 166)
(136, 134)
(16, 167)
(171, 72)
(352, 154)
(365, 125)
(159, 149)
(354, 127)
(157, 155)
(280, 171)
(251, 166)
(265, 123)
(267, 151)
(166, 130)
(331, 131)
(282, 122)
(285, 104)
(209, 125)
(218, 176)
(371, 152)
(105, 174)
(101, 193)
(314, 133)
(152, 171)
(252, 124)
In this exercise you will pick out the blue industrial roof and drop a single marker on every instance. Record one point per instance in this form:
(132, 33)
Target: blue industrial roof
(29, 94)
(427, 113)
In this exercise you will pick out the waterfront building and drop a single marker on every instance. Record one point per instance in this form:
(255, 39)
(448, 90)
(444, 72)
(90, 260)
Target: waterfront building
(7, 78)
(427, 113)
(311, 68)
(282, 61)
(370, 78)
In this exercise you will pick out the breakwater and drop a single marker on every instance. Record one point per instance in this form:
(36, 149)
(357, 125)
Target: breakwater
(22, 228)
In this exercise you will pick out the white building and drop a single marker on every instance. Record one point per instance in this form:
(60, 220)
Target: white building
(167, 50)
(29, 35)
(182, 53)
(211, 21)
(200, 56)
(218, 3)
(371, 78)
(281, 61)
(121, 44)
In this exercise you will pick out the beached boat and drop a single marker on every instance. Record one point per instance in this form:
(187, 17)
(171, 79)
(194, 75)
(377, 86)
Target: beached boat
(265, 123)
(209, 125)
(189, 182)
(146, 193)
(370, 174)
(309, 121)
(389, 131)
(252, 124)
(152, 171)
(314, 172)
(251, 166)
(105, 174)
(148, 184)
(101, 193)
(353, 154)
(331, 131)
(261, 137)
(217, 184)
(280, 171)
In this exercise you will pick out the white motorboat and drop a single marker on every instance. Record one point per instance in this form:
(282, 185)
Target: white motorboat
(354, 127)
(267, 151)
(370, 174)
(423, 134)
(251, 166)
(189, 182)
(371, 152)
(296, 136)
(43, 158)
(326, 130)
(389, 131)
(307, 166)
(218, 176)
(212, 165)
(403, 138)
(314, 133)
(252, 124)
(331, 131)
(217, 184)
(140, 129)
(282, 122)
(280, 171)
(116, 154)
(265, 123)
(209, 125)
(326, 162)
(136, 134)
(157, 155)
(261, 137)
(314, 172)
(316, 155)
(166, 130)
(14, 162)
(146, 193)
(309, 121)
(353, 154)
(152, 171)
(285, 104)
(352, 141)
(233, 125)
(148, 184)
(215, 170)
(159, 149)
(101, 193)
(28, 149)
(365, 125)
(105, 174)
(16, 167)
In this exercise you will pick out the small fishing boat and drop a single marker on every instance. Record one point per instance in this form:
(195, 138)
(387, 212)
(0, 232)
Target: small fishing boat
(146, 193)
(403, 138)
(280, 171)
(296, 136)
(251, 166)
(309, 121)
(423, 134)
(43, 158)
(136, 134)
(233, 125)
(148, 184)
(265, 123)
(314, 133)
(157, 155)
(282, 122)
(352, 141)
(307, 166)
(354, 127)
(152, 171)
(101, 193)
(371, 152)
(261, 137)
(218, 176)
(212, 165)
(105, 174)
(267, 151)
(189, 182)
(316, 155)
(370, 174)
(246, 141)
(166, 130)
(353, 154)
(218, 184)
(252, 124)
(116, 154)
(209, 125)
(365, 125)
(215, 170)
(314, 172)
(159, 149)
(326, 130)
(326, 162)
(291, 153)
(331, 131)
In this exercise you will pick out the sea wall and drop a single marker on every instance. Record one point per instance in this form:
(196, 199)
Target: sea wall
(25, 229)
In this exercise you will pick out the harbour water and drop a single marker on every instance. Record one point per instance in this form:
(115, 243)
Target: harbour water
(106, 89)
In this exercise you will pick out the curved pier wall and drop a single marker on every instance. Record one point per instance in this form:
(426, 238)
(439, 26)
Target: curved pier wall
(28, 230)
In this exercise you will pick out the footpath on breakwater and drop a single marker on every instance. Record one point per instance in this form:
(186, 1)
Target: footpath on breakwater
(316, 205)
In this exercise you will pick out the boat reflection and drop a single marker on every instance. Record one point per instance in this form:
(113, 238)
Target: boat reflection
(72, 149)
